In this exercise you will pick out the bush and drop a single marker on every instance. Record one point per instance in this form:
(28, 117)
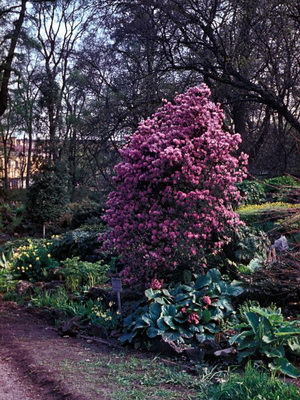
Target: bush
(33, 262)
(175, 189)
(47, 196)
(185, 313)
(248, 243)
(252, 192)
(77, 243)
(85, 212)
(81, 275)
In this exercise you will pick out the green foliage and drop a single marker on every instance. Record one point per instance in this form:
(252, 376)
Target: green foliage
(78, 243)
(47, 196)
(107, 317)
(248, 244)
(88, 311)
(264, 333)
(10, 218)
(80, 275)
(253, 385)
(6, 282)
(32, 262)
(266, 216)
(85, 212)
(59, 300)
(252, 192)
(184, 313)
(282, 188)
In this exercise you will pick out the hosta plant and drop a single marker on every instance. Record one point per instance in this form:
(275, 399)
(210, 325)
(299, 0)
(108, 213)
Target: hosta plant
(265, 334)
(184, 314)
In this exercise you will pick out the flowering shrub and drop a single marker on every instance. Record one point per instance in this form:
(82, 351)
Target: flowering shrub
(185, 314)
(32, 262)
(175, 188)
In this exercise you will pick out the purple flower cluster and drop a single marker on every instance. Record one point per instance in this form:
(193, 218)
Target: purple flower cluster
(175, 188)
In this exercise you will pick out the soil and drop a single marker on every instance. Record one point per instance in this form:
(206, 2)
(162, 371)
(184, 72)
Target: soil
(30, 349)
(38, 364)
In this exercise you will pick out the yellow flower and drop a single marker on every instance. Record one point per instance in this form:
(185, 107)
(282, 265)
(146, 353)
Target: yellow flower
(49, 255)
(37, 259)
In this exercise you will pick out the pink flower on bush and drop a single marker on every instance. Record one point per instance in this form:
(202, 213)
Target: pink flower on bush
(156, 284)
(193, 318)
(184, 310)
(175, 188)
(207, 300)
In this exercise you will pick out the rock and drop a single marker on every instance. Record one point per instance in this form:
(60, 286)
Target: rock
(166, 347)
(195, 354)
(69, 328)
(97, 331)
(225, 352)
(24, 287)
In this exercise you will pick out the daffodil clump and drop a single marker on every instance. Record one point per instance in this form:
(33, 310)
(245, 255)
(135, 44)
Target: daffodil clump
(32, 262)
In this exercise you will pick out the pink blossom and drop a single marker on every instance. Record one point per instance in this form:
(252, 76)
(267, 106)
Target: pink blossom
(174, 188)
(193, 318)
(156, 284)
(207, 300)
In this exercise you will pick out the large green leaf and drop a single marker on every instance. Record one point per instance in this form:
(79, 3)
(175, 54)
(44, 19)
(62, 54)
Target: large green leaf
(186, 333)
(171, 335)
(201, 337)
(127, 337)
(285, 367)
(154, 311)
(153, 332)
(162, 325)
(246, 353)
(202, 280)
(168, 310)
(168, 319)
(214, 274)
(182, 299)
(294, 345)
(140, 323)
(239, 336)
(248, 343)
(230, 290)
(253, 320)
(146, 319)
(272, 352)
(206, 316)
(287, 331)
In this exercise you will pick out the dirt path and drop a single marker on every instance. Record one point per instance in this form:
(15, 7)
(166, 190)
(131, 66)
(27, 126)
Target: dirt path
(30, 350)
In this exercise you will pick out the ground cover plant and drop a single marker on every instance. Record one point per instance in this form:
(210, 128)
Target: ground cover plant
(254, 384)
(174, 190)
(265, 334)
(183, 314)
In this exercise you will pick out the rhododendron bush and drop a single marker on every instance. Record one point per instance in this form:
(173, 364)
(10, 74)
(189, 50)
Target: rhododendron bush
(175, 188)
